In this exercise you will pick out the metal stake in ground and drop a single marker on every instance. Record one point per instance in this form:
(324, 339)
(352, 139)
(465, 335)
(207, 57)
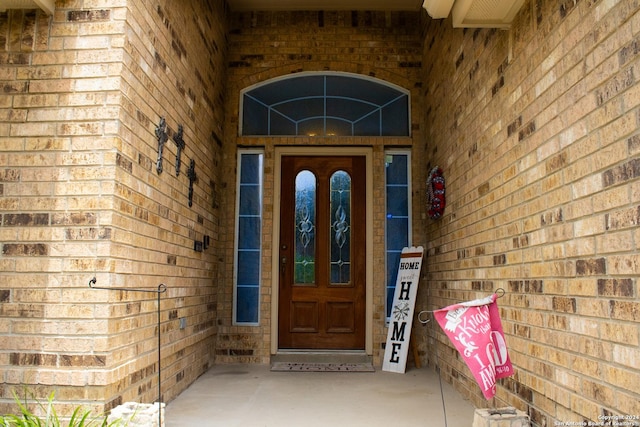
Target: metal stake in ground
(162, 288)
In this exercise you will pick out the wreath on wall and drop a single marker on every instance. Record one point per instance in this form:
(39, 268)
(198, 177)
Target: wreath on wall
(435, 193)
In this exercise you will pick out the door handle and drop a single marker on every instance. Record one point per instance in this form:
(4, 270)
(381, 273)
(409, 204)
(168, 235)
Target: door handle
(283, 263)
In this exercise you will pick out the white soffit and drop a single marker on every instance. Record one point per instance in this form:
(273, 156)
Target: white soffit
(485, 13)
(438, 9)
(475, 13)
(47, 5)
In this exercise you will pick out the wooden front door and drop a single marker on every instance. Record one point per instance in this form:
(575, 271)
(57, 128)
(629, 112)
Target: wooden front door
(322, 253)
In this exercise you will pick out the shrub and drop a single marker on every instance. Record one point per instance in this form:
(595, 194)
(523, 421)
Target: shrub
(26, 418)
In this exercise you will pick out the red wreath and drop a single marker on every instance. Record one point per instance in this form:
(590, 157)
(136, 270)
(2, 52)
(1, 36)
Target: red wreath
(435, 193)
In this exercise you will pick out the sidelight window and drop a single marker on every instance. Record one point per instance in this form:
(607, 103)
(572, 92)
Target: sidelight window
(398, 220)
(247, 263)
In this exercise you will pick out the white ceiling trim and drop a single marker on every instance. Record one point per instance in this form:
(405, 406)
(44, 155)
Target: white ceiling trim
(485, 13)
(47, 5)
(438, 9)
(475, 13)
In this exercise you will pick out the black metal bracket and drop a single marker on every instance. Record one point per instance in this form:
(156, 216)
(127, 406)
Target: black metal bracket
(191, 173)
(178, 139)
(162, 288)
(161, 135)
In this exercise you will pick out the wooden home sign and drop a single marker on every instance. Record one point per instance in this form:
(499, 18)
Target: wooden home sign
(404, 302)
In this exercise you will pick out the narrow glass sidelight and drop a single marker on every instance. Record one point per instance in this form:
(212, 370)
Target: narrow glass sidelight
(398, 215)
(247, 263)
(340, 208)
(305, 241)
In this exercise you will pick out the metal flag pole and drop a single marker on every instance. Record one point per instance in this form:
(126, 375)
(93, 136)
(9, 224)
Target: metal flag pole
(437, 364)
(500, 292)
(162, 288)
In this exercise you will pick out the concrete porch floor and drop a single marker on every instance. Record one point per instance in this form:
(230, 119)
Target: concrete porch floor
(253, 396)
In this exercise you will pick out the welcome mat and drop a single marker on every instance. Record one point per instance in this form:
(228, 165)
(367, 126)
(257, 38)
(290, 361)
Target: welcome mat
(321, 367)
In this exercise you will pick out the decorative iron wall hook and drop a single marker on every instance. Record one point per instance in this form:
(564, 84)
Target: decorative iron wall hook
(191, 173)
(500, 292)
(178, 139)
(161, 135)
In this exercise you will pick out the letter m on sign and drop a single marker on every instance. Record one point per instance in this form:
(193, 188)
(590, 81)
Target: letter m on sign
(404, 301)
(398, 331)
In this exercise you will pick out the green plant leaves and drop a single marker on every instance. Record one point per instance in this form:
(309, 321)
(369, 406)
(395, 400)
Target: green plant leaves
(26, 418)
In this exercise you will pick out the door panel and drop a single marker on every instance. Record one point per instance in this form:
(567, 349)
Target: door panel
(304, 316)
(340, 317)
(322, 253)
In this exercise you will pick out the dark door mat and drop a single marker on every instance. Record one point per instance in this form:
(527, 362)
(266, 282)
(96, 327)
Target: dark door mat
(321, 367)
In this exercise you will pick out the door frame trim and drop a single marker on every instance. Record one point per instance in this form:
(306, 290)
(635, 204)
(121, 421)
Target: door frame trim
(367, 152)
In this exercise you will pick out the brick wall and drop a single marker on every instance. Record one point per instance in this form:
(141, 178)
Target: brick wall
(80, 196)
(536, 129)
(265, 45)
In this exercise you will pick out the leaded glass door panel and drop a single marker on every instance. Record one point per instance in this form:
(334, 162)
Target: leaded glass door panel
(322, 253)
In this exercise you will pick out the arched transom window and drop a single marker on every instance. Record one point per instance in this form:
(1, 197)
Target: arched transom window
(326, 104)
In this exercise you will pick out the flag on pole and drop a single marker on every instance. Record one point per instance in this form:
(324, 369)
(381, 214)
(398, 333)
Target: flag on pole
(475, 329)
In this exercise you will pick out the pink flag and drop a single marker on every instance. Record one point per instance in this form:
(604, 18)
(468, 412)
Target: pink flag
(475, 330)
